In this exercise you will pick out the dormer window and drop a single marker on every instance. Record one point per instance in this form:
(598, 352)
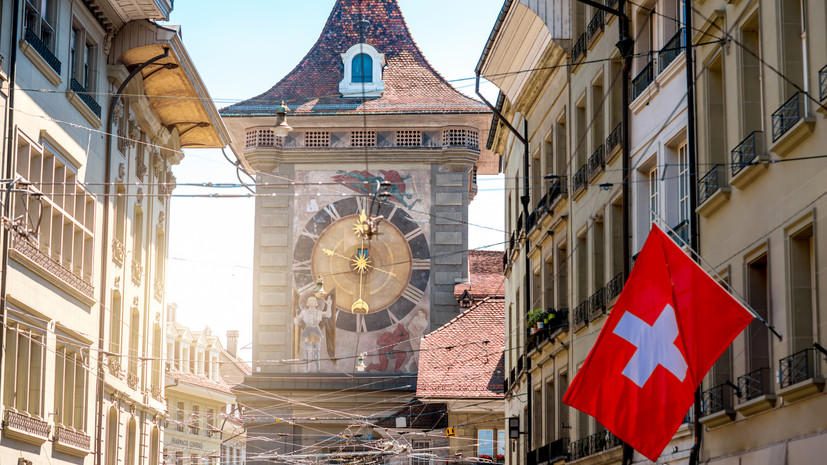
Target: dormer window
(362, 68)
(363, 72)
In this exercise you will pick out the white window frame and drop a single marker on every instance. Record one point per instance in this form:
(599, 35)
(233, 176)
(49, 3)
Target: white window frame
(19, 332)
(654, 195)
(683, 183)
(350, 89)
(72, 385)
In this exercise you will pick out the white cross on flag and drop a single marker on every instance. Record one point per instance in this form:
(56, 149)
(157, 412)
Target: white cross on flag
(667, 328)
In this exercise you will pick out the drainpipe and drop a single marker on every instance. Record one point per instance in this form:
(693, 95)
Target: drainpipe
(9, 171)
(113, 102)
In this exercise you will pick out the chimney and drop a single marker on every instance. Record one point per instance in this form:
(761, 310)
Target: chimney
(172, 309)
(232, 342)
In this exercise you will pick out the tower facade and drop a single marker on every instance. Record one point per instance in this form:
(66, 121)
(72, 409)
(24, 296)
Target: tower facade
(361, 226)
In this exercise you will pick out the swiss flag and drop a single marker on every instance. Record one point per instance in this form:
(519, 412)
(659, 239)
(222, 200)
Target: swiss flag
(669, 325)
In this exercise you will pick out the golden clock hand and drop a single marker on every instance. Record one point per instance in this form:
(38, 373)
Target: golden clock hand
(361, 263)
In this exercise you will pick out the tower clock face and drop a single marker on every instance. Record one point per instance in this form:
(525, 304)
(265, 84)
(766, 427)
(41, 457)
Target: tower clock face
(383, 278)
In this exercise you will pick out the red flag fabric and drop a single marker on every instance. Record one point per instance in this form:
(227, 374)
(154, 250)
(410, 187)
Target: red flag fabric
(667, 328)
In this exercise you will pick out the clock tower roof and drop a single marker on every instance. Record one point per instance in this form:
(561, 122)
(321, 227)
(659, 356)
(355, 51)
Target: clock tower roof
(410, 84)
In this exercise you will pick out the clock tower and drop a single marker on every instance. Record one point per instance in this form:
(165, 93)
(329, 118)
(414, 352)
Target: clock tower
(360, 229)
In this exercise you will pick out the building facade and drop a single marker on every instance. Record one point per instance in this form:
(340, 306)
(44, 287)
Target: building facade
(375, 131)
(758, 97)
(204, 424)
(85, 243)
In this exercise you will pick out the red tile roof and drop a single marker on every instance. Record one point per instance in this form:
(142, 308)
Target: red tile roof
(485, 268)
(411, 84)
(464, 358)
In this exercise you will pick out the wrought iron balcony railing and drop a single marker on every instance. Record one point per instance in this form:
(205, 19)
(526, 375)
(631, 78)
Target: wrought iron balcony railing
(822, 83)
(614, 287)
(597, 303)
(670, 51)
(755, 384)
(615, 138)
(581, 313)
(788, 115)
(27, 424)
(549, 453)
(72, 438)
(747, 152)
(557, 191)
(716, 399)
(597, 162)
(85, 96)
(643, 79)
(581, 178)
(578, 51)
(42, 49)
(595, 25)
(593, 444)
(798, 367)
(710, 183)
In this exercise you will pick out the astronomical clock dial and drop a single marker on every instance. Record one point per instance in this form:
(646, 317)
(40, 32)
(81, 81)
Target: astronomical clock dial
(383, 278)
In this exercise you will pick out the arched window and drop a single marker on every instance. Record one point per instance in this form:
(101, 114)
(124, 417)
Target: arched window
(362, 68)
(112, 437)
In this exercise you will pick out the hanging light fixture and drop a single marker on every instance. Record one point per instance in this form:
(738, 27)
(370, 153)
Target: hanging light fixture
(281, 128)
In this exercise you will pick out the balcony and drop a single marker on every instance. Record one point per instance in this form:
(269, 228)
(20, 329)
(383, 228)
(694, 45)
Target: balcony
(643, 79)
(72, 442)
(670, 51)
(799, 375)
(712, 190)
(559, 322)
(86, 97)
(791, 124)
(578, 51)
(597, 303)
(614, 139)
(446, 137)
(53, 268)
(614, 288)
(822, 83)
(581, 315)
(43, 50)
(556, 192)
(24, 427)
(746, 159)
(756, 392)
(549, 453)
(716, 406)
(595, 26)
(594, 444)
(680, 233)
(581, 179)
(596, 163)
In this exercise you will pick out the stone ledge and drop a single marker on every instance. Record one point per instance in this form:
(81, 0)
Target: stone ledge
(757, 405)
(801, 390)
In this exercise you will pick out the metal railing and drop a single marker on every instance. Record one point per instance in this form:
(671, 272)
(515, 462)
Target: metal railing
(42, 49)
(26, 424)
(611, 4)
(747, 151)
(595, 25)
(549, 453)
(615, 138)
(578, 51)
(581, 313)
(680, 233)
(85, 96)
(557, 191)
(593, 444)
(822, 83)
(597, 162)
(643, 79)
(716, 399)
(710, 183)
(787, 115)
(670, 51)
(615, 287)
(597, 302)
(581, 178)
(798, 367)
(755, 384)
(72, 438)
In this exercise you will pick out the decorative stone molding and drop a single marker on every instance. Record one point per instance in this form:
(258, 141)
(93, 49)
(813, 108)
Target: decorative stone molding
(51, 269)
(376, 86)
(137, 272)
(25, 427)
(159, 291)
(72, 442)
(139, 197)
(162, 218)
(118, 252)
(121, 172)
(140, 166)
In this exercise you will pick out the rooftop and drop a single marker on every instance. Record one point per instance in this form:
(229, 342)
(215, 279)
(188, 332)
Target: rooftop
(486, 275)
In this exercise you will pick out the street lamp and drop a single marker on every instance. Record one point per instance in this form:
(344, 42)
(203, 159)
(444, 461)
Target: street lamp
(281, 128)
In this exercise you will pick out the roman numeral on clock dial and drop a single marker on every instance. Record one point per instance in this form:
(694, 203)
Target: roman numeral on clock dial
(332, 212)
(302, 266)
(413, 294)
(421, 264)
(361, 204)
(309, 286)
(413, 234)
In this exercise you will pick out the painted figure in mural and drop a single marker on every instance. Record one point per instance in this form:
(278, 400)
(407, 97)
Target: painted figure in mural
(311, 334)
(366, 183)
(393, 346)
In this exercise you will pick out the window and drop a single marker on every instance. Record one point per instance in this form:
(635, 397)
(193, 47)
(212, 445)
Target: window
(501, 442)
(715, 122)
(562, 278)
(537, 418)
(41, 17)
(82, 54)
(617, 236)
(683, 184)
(561, 149)
(548, 283)
(792, 46)
(138, 236)
(131, 442)
(115, 325)
(485, 442)
(421, 453)
(563, 409)
(195, 419)
(536, 180)
(758, 337)
(58, 211)
(154, 446)
(179, 417)
(750, 59)
(582, 132)
(71, 385)
(210, 422)
(654, 196)
(551, 420)
(134, 346)
(582, 254)
(362, 72)
(24, 369)
(548, 156)
(598, 135)
(156, 359)
(112, 436)
(802, 288)
(362, 68)
(160, 260)
(598, 248)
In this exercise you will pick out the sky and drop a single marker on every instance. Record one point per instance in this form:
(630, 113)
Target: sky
(244, 50)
